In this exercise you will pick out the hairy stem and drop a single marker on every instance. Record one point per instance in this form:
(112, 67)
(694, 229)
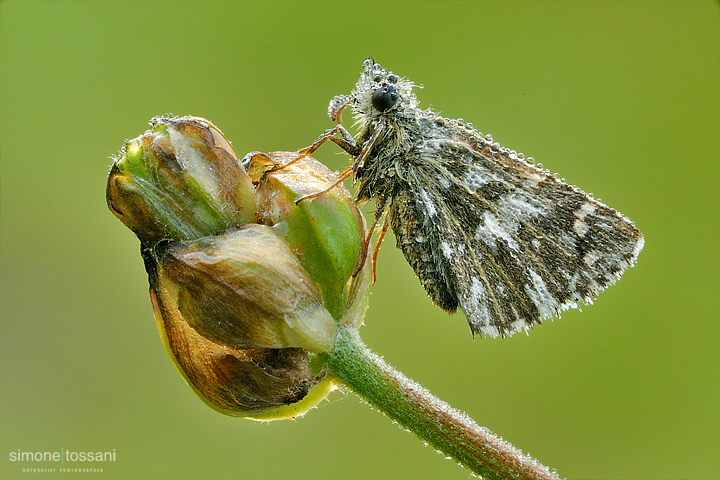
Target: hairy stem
(434, 421)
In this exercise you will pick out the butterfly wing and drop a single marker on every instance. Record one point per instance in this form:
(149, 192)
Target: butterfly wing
(501, 238)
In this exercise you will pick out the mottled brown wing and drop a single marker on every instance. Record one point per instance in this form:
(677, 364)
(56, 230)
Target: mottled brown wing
(507, 242)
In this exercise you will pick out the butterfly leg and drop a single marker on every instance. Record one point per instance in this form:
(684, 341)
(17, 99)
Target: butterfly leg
(346, 142)
(344, 175)
(383, 231)
(379, 212)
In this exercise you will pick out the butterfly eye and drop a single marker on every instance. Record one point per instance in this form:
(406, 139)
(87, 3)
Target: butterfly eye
(384, 98)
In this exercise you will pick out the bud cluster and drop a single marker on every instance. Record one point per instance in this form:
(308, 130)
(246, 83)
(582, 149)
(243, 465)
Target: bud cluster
(247, 285)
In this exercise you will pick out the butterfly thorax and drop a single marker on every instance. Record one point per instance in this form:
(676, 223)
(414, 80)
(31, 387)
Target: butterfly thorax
(385, 166)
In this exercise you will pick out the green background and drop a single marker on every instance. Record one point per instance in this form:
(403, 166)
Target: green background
(621, 98)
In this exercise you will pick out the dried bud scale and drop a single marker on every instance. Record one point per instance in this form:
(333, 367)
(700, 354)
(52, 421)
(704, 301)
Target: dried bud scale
(247, 273)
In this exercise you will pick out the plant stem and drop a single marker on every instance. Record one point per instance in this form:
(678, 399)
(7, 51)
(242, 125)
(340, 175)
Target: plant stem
(434, 421)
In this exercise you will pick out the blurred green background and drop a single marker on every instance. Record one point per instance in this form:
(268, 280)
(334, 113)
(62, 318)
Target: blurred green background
(621, 98)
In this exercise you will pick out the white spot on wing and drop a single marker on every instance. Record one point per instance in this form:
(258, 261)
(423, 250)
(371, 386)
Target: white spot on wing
(429, 205)
(477, 292)
(477, 309)
(475, 178)
(443, 181)
(591, 257)
(492, 230)
(639, 246)
(580, 227)
(521, 207)
(533, 177)
(539, 294)
(446, 250)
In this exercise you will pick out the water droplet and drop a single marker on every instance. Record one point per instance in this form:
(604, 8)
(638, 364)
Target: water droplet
(530, 160)
(460, 122)
(469, 126)
(489, 138)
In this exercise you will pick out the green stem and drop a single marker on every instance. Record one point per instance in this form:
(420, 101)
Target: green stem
(434, 421)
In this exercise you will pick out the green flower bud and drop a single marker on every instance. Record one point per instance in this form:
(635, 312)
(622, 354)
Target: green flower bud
(326, 231)
(179, 180)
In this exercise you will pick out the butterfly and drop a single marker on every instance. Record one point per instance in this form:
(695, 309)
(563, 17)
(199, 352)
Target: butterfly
(483, 229)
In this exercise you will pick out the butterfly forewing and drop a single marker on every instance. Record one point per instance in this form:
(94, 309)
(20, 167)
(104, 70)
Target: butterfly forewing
(508, 242)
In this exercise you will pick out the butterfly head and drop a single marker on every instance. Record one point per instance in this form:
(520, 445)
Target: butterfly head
(378, 92)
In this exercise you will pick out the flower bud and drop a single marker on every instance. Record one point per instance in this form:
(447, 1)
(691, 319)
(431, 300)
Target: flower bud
(258, 383)
(245, 288)
(326, 231)
(179, 180)
(247, 285)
